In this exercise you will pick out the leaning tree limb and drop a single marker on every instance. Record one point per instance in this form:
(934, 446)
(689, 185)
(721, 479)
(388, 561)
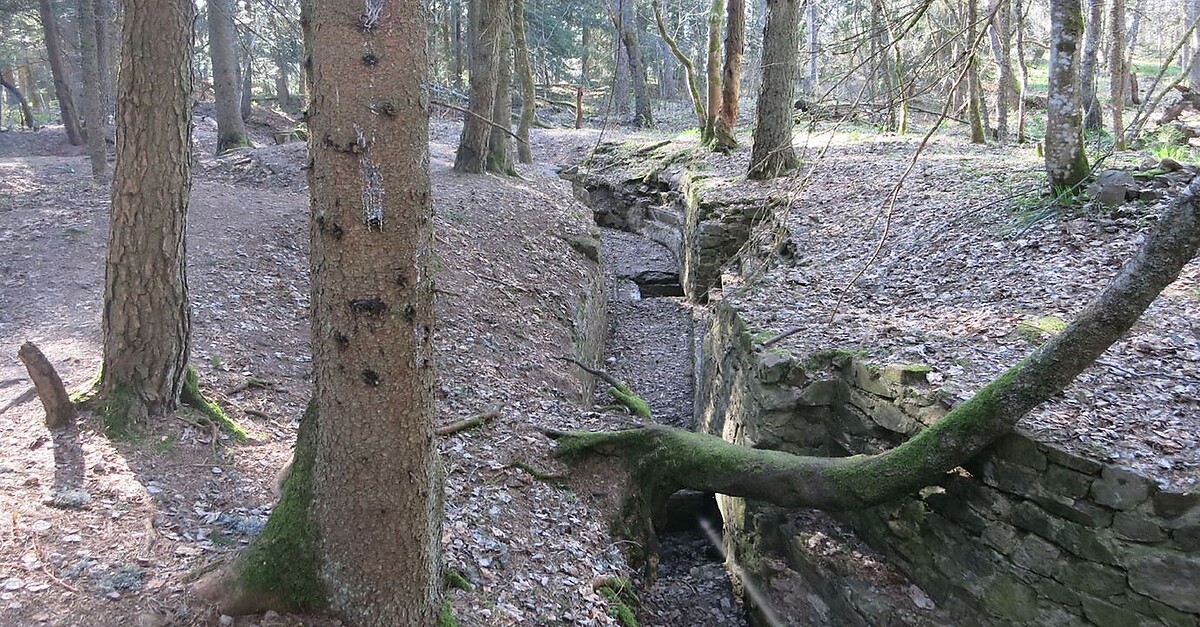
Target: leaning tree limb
(618, 389)
(661, 460)
(67, 490)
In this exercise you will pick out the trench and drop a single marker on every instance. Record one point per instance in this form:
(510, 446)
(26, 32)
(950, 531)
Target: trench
(652, 345)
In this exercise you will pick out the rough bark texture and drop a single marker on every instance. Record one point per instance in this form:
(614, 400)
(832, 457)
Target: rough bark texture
(812, 45)
(974, 92)
(1004, 93)
(773, 153)
(630, 26)
(60, 421)
(689, 70)
(663, 460)
(1066, 163)
(58, 69)
(525, 75)
(376, 483)
(712, 69)
(10, 86)
(484, 38)
(1092, 117)
(1018, 18)
(1192, 9)
(1118, 75)
(93, 112)
(146, 317)
(500, 158)
(222, 44)
(724, 138)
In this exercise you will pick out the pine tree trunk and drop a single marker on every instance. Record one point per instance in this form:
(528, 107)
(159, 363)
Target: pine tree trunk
(1004, 93)
(773, 153)
(222, 44)
(8, 85)
(456, 64)
(483, 36)
(93, 113)
(724, 138)
(246, 73)
(1092, 117)
(1018, 15)
(630, 27)
(812, 48)
(978, 134)
(1192, 8)
(712, 70)
(500, 159)
(621, 77)
(58, 69)
(106, 58)
(1118, 75)
(376, 481)
(146, 318)
(525, 76)
(1066, 163)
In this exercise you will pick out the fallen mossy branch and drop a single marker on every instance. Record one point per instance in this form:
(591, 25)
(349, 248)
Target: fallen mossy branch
(661, 460)
(622, 597)
(454, 580)
(191, 395)
(558, 481)
(618, 389)
(477, 420)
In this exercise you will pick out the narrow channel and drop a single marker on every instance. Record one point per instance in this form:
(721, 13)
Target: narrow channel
(651, 346)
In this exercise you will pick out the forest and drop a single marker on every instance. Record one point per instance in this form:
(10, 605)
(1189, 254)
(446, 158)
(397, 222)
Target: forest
(615, 312)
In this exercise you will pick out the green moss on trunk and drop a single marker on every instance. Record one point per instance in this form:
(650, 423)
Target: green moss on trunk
(194, 397)
(282, 561)
(626, 397)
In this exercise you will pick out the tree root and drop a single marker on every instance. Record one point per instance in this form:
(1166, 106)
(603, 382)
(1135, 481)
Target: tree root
(191, 395)
(477, 420)
(618, 389)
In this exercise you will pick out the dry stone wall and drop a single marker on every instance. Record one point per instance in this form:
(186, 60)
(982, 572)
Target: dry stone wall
(1026, 534)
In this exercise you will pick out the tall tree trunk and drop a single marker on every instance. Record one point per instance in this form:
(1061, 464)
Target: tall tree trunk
(689, 70)
(724, 138)
(773, 153)
(93, 113)
(106, 57)
(630, 27)
(1192, 8)
(525, 75)
(247, 65)
(222, 45)
(1004, 93)
(58, 69)
(978, 134)
(622, 81)
(585, 55)
(456, 63)
(358, 525)
(1018, 16)
(1119, 76)
(1066, 163)
(712, 70)
(812, 49)
(1092, 117)
(146, 318)
(484, 38)
(500, 158)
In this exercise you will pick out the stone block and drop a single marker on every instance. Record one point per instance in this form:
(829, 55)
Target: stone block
(1009, 477)
(1187, 538)
(1091, 578)
(1168, 577)
(773, 366)
(825, 392)
(1174, 504)
(1081, 511)
(776, 398)
(1001, 537)
(906, 374)
(1137, 527)
(1066, 482)
(1019, 449)
(1036, 554)
(1108, 615)
(1075, 538)
(1119, 488)
(867, 378)
(1070, 460)
(1010, 600)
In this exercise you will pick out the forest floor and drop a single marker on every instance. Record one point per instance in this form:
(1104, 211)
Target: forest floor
(173, 500)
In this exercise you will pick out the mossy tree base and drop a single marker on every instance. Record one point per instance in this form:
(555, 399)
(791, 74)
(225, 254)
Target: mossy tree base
(279, 569)
(661, 460)
(193, 397)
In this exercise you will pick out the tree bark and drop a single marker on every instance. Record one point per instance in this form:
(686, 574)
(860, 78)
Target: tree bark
(662, 460)
(500, 158)
(358, 527)
(484, 38)
(27, 119)
(93, 112)
(222, 47)
(525, 75)
(812, 49)
(1066, 163)
(712, 70)
(773, 153)
(1192, 8)
(689, 70)
(724, 138)
(630, 26)
(1118, 75)
(146, 318)
(58, 69)
(1018, 16)
(974, 92)
(246, 67)
(1092, 116)
(621, 75)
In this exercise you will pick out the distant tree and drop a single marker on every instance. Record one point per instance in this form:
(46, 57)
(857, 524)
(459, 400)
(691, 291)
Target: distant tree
(93, 112)
(9, 85)
(500, 158)
(146, 318)
(1004, 94)
(724, 137)
(358, 526)
(222, 45)
(773, 153)
(712, 69)
(1191, 13)
(59, 70)
(1118, 74)
(524, 72)
(486, 20)
(1066, 163)
(629, 26)
(1092, 116)
(974, 91)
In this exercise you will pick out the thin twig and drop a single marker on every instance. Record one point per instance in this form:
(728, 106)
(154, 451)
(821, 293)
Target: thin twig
(471, 113)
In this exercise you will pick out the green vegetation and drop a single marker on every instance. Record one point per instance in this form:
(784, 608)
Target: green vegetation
(622, 597)
(192, 396)
(626, 397)
(453, 580)
(446, 616)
